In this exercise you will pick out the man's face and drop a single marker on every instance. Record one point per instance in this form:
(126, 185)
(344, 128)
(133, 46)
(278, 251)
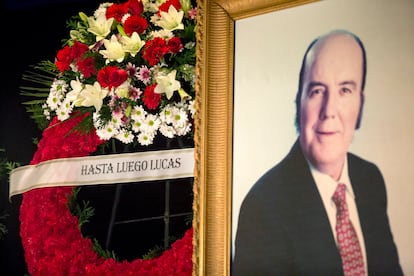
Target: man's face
(330, 102)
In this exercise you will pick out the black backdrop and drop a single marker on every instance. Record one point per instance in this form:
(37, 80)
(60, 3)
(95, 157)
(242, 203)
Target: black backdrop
(32, 31)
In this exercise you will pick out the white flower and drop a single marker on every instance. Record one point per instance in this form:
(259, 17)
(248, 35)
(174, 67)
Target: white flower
(92, 95)
(56, 94)
(163, 33)
(167, 83)
(171, 20)
(183, 129)
(137, 125)
(167, 130)
(46, 111)
(54, 99)
(77, 87)
(191, 107)
(151, 5)
(64, 110)
(166, 114)
(125, 136)
(114, 50)
(107, 132)
(150, 123)
(59, 86)
(101, 10)
(145, 139)
(138, 113)
(132, 44)
(126, 111)
(179, 117)
(116, 120)
(122, 90)
(101, 27)
(174, 120)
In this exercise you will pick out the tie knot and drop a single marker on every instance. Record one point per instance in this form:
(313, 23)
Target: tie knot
(339, 196)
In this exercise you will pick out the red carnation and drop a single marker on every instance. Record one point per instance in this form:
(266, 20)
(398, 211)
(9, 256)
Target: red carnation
(64, 59)
(66, 55)
(154, 50)
(135, 23)
(112, 76)
(174, 45)
(135, 7)
(79, 49)
(165, 6)
(86, 66)
(117, 11)
(151, 99)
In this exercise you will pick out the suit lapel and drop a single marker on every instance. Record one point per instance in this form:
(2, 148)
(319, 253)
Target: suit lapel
(312, 226)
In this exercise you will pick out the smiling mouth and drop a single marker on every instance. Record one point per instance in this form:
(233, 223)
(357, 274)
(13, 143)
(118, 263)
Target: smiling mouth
(326, 133)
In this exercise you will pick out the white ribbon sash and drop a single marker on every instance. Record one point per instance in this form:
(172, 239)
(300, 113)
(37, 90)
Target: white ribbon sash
(104, 169)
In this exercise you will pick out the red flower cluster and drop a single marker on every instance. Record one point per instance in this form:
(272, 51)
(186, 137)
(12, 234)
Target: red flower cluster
(112, 76)
(117, 11)
(151, 99)
(166, 5)
(135, 22)
(154, 50)
(51, 238)
(174, 45)
(75, 53)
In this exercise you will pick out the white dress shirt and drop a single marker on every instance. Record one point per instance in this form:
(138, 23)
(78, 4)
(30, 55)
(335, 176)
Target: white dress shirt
(327, 186)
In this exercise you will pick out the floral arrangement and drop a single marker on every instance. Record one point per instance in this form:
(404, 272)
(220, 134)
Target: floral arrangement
(131, 67)
(51, 238)
(126, 73)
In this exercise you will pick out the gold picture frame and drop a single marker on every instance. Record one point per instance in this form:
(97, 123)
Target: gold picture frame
(214, 126)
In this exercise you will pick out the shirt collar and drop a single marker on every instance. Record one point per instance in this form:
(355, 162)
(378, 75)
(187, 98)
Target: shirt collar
(329, 184)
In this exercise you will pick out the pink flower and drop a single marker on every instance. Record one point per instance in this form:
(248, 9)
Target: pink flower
(144, 74)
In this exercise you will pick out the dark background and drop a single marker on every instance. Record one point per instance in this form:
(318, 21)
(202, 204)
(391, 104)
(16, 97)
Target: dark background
(32, 31)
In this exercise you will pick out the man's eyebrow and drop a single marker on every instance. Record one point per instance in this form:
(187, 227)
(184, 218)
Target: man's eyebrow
(318, 83)
(315, 83)
(348, 82)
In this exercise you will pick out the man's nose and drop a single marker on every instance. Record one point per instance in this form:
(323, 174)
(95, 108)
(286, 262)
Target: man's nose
(329, 106)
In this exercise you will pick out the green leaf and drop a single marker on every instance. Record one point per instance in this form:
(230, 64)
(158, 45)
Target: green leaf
(105, 253)
(33, 102)
(84, 212)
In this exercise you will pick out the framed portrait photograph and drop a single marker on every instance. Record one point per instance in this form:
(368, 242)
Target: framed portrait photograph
(250, 59)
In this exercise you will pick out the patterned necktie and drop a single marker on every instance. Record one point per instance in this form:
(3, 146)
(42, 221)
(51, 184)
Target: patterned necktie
(349, 248)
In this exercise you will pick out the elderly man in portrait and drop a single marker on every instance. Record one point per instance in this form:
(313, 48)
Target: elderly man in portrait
(321, 210)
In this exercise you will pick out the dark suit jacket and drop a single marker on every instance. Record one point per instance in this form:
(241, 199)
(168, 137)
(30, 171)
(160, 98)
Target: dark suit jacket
(283, 227)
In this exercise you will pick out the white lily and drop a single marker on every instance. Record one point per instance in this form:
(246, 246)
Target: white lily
(114, 50)
(132, 44)
(122, 91)
(171, 20)
(77, 87)
(166, 83)
(100, 27)
(92, 95)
